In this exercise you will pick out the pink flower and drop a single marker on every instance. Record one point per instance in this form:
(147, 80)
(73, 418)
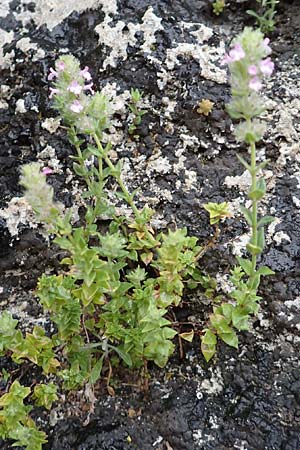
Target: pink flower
(75, 88)
(76, 107)
(267, 66)
(252, 70)
(226, 60)
(266, 46)
(53, 74)
(86, 74)
(88, 87)
(47, 171)
(255, 84)
(61, 66)
(237, 53)
(53, 91)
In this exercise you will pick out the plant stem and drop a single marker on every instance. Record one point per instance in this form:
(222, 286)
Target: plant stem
(254, 206)
(80, 157)
(91, 217)
(127, 196)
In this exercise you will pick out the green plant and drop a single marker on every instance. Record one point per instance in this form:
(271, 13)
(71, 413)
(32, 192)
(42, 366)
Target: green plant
(15, 422)
(217, 211)
(118, 284)
(218, 7)
(35, 346)
(265, 18)
(45, 394)
(136, 97)
(110, 302)
(248, 65)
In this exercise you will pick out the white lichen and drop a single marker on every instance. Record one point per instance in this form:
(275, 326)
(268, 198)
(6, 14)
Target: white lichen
(121, 35)
(17, 212)
(213, 385)
(242, 182)
(51, 124)
(20, 106)
(25, 45)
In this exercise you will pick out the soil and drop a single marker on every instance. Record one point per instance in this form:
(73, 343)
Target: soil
(247, 399)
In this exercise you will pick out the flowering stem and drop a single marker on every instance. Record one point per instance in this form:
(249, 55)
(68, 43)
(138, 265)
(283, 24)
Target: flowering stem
(81, 159)
(127, 196)
(254, 206)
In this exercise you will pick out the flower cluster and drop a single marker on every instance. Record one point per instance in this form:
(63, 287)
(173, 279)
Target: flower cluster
(75, 98)
(252, 58)
(39, 193)
(249, 63)
(75, 87)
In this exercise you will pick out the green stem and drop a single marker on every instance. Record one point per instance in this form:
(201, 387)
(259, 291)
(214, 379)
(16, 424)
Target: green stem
(127, 196)
(81, 161)
(90, 218)
(254, 207)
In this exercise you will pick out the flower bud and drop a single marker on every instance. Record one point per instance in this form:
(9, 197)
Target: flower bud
(39, 193)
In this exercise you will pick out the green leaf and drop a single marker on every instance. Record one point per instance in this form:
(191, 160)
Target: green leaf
(262, 165)
(123, 355)
(247, 214)
(80, 170)
(187, 336)
(266, 220)
(208, 351)
(113, 245)
(63, 243)
(220, 323)
(227, 309)
(94, 151)
(136, 95)
(96, 370)
(7, 324)
(255, 282)
(67, 261)
(161, 352)
(245, 264)
(5, 375)
(230, 339)
(264, 270)
(256, 194)
(260, 190)
(208, 345)
(252, 13)
(242, 161)
(253, 249)
(116, 172)
(261, 238)
(240, 319)
(36, 347)
(209, 337)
